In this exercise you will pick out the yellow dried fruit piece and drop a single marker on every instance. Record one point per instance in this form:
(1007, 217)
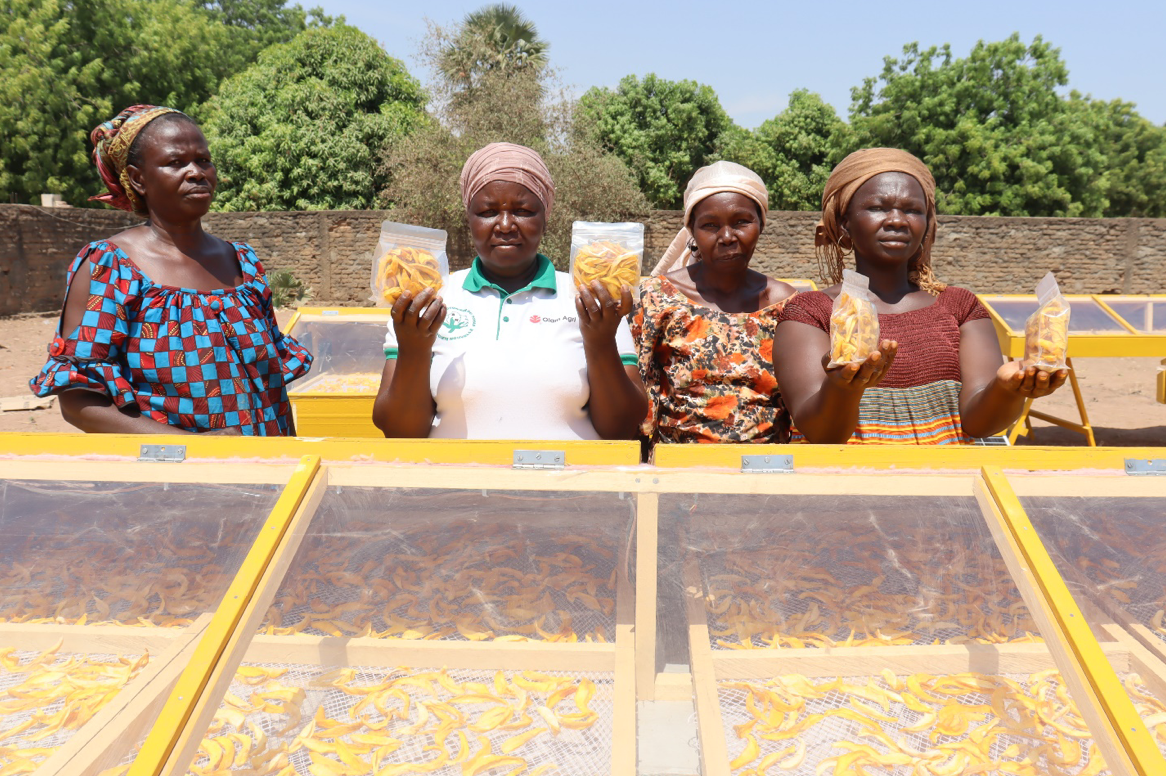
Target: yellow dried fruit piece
(405, 268)
(608, 262)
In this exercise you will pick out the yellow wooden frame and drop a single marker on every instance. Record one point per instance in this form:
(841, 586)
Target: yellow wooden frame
(287, 450)
(179, 706)
(1064, 620)
(616, 658)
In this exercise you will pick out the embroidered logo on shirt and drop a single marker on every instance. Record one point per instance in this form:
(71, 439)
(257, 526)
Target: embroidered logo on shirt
(540, 319)
(458, 323)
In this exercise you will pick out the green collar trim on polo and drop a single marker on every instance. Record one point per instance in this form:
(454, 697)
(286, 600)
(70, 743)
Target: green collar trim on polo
(544, 278)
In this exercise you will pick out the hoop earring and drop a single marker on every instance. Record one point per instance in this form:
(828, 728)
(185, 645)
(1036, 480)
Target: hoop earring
(844, 252)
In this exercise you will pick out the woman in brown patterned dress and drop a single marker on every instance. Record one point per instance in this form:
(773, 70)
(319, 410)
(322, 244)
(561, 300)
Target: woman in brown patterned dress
(704, 321)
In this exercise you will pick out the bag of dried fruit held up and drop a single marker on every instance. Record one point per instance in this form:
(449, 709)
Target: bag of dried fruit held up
(407, 258)
(854, 322)
(1046, 332)
(609, 253)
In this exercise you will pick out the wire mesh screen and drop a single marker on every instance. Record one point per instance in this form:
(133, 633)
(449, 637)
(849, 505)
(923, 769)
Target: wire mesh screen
(148, 554)
(1111, 552)
(46, 697)
(909, 725)
(311, 720)
(818, 571)
(460, 565)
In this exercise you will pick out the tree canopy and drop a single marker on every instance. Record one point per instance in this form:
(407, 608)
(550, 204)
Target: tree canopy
(300, 129)
(517, 105)
(68, 65)
(793, 152)
(493, 38)
(663, 130)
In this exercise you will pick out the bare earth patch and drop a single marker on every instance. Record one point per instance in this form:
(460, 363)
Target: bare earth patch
(1119, 392)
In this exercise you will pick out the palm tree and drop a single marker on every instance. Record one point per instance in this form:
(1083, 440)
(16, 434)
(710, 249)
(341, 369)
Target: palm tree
(493, 38)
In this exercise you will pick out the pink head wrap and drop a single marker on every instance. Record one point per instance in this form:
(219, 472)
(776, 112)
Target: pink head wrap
(508, 162)
(111, 151)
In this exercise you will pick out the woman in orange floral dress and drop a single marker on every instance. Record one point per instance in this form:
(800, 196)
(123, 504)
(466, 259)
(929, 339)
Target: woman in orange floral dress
(704, 321)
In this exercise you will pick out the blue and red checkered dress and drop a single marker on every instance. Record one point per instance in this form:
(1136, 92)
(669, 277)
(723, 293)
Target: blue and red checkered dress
(191, 359)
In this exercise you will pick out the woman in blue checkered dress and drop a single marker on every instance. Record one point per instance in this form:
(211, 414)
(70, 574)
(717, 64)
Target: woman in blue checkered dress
(167, 329)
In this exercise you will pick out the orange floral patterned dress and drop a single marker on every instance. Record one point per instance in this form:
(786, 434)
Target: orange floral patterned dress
(709, 374)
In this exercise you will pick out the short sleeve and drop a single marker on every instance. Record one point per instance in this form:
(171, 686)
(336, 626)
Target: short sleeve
(90, 358)
(964, 305)
(811, 308)
(625, 344)
(390, 341)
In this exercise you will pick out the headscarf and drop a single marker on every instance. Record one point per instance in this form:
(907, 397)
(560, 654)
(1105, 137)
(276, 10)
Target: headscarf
(111, 151)
(508, 162)
(716, 178)
(844, 181)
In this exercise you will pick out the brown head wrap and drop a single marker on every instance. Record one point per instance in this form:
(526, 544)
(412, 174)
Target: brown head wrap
(844, 181)
(111, 152)
(508, 162)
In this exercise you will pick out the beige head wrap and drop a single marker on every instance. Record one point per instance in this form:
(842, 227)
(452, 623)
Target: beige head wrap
(844, 181)
(716, 178)
(508, 162)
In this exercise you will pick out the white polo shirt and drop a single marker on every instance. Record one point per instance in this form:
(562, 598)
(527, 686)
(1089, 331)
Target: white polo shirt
(511, 366)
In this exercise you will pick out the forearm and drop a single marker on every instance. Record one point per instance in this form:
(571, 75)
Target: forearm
(617, 404)
(829, 416)
(990, 410)
(405, 409)
(94, 413)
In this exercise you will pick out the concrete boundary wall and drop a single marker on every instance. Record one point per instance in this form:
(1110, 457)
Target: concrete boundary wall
(331, 250)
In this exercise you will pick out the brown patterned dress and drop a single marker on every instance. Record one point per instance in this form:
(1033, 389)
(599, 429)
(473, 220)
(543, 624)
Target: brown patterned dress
(709, 374)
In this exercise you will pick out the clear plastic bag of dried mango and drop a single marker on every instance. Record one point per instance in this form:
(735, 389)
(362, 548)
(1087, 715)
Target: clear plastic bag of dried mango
(1046, 332)
(610, 253)
(407, 258)
(854, 322)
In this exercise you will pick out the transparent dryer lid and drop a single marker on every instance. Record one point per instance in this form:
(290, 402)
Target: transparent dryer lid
(1087, 316)
(1147, 314)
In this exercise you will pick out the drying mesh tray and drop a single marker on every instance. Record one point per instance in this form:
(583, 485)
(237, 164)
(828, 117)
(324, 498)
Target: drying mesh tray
(1109, 550)
(123, 553)
(891, 725)
(312, 720)
(359, 383)
(46, 697)
(794, 571)
(456, 565)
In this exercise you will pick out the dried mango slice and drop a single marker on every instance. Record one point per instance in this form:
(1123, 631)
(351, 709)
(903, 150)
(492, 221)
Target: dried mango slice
(608, 262)
(854, 330)
(405, 268)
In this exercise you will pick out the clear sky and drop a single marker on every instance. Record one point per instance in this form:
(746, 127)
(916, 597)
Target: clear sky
(755, 53)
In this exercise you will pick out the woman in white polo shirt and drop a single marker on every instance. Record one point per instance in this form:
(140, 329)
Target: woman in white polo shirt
(510, 349)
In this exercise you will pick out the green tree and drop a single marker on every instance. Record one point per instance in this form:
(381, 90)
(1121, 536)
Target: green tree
(1134, 178)
(300, 129)
(793, 152)
(992, 127)
(67, 65)
(663, 130)
(525, 106)
(493, 38)
(267, 22)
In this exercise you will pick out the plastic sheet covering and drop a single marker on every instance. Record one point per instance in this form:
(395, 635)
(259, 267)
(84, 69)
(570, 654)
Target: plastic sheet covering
(915, 724)
(1145, 315)
(342, 345)
(125, 553)
(306, 719)
(1088, 317)
(819, 571)
(1111, 552)
(460, 565)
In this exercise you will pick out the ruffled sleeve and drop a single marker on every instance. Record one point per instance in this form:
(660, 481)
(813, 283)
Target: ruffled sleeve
(646, 333)
(90, 358)
(295, 359)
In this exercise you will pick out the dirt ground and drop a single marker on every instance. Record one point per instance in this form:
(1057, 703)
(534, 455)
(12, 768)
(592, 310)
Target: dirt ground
(1119, 392)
